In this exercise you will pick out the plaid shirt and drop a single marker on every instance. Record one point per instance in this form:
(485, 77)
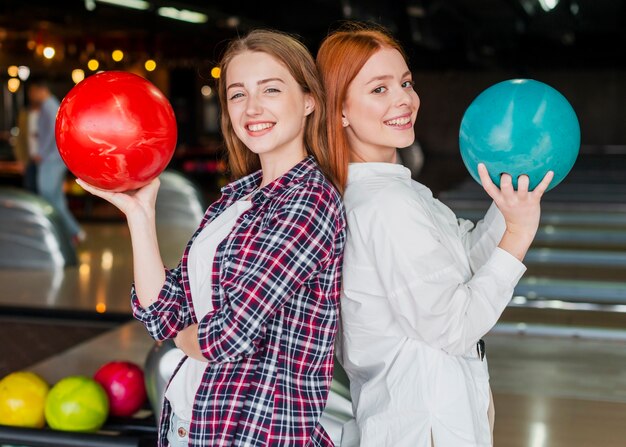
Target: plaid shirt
(269, 339)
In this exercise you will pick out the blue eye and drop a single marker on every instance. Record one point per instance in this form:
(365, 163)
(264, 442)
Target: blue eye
(237, 96)
(381, 89)
(408, 84)
(272, 90)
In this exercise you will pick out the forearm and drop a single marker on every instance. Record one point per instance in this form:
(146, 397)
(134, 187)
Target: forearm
(149, 273)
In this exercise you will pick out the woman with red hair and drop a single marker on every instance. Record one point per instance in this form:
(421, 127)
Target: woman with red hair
(421, 287)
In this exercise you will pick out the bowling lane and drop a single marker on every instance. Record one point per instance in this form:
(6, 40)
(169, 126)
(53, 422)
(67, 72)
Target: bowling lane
(101, 281)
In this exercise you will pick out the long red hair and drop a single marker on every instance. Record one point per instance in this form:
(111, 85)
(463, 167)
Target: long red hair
(339, 59)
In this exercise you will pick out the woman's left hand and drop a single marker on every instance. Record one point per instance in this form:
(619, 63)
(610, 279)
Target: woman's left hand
(187, 341)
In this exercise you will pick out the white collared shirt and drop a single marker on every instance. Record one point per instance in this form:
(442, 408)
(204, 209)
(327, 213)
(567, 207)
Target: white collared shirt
(420, 288)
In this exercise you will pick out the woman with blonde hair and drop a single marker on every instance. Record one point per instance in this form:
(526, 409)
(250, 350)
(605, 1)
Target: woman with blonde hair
(254, 302)
(420, 286)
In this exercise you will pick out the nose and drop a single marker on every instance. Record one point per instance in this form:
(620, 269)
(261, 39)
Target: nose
(407, 98)
(253, 106)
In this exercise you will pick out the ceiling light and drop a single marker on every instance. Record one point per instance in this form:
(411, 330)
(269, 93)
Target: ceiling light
(117, 55)
(548, 5)
(93, 64)
(184, 15)
(23, 72)
(133, 4)
(78, 75)
(13, 84)
(48, 52)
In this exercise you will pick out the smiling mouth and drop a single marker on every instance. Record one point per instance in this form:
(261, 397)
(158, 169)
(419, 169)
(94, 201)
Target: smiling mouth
(399, 122)
(258, 127)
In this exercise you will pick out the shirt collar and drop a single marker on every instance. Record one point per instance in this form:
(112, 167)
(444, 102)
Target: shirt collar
(358, 171)
(246, 185)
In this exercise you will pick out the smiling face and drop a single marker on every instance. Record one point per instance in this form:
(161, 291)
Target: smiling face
(380, 108)
(266, 106)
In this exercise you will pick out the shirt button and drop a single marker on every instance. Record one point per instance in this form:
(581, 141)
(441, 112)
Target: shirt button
(246, 217)
(182, 432)
(216, 290)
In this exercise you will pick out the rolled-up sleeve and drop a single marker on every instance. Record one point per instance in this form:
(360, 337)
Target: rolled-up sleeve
(279, 259)
(428, 288)
(170, 313)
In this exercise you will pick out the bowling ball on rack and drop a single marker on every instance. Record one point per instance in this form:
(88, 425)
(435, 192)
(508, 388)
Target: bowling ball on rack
(124, 384)
(116, 131)
(22, 399)
(520, 126)
(77, 403)
(159, 366)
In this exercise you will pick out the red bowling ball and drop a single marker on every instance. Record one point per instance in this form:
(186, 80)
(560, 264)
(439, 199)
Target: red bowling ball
(124, 385)
(116, 131)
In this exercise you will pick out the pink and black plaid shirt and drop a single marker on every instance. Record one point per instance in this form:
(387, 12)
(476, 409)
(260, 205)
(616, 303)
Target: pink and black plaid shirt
(269, 339)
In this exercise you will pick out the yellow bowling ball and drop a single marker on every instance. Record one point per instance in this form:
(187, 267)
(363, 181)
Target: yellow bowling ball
(22, 399)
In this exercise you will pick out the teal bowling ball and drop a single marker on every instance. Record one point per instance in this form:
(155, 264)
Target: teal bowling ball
(520, 126)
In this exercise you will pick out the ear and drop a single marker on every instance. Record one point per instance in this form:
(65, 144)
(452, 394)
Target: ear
(344, 120)
(309, 104)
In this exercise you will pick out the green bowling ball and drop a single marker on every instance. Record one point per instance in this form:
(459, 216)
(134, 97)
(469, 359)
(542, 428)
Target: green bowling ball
(77, 403)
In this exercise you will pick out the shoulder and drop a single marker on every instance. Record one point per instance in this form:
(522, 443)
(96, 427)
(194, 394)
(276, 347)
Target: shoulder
(314, 191)
(384, 196)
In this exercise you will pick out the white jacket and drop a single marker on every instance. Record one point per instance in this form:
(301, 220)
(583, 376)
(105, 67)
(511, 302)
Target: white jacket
(420, 288)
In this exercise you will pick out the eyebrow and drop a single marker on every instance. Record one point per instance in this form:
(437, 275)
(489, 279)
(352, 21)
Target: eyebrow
(261, 82)
(385, 77)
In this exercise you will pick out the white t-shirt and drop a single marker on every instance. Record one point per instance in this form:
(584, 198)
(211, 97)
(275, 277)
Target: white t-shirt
(184, 385)
(420, 288)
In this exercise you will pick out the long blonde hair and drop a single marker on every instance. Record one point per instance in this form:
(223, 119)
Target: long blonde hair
(297, 59)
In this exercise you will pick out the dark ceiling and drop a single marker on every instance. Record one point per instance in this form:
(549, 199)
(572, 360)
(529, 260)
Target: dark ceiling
(462, 34)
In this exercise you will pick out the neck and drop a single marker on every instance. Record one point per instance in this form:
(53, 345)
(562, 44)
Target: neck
(372, 155)
(276, 163)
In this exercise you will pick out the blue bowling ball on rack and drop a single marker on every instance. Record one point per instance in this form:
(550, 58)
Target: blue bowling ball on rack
(520, 126)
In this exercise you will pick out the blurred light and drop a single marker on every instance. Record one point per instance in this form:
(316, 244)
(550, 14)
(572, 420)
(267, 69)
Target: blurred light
(93, 64)
(574, 8)
(206, 91)
(101, 308)
(548, 5)
(184, 15)
(12, 71)
(13, 84)
(416, 11)
(48, 52)
(538, 434)
(215, 72)
(117, 55)
(107, 260)
(90, 5)
(23, 72)
(31, 44)
(150, 65)
(15, 131)
(78, 75)
(134, 4)
(233, 22)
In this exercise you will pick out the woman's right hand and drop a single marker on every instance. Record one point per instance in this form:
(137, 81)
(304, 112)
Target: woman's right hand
(137, 203)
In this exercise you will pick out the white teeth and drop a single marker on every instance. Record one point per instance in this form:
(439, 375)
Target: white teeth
(399, 121)
(259, 127)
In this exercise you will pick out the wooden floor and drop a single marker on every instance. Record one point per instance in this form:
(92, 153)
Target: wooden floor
(548, 391)
(558, 392)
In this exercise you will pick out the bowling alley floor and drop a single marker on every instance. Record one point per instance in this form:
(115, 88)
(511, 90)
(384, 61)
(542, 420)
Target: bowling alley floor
(557, 391)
